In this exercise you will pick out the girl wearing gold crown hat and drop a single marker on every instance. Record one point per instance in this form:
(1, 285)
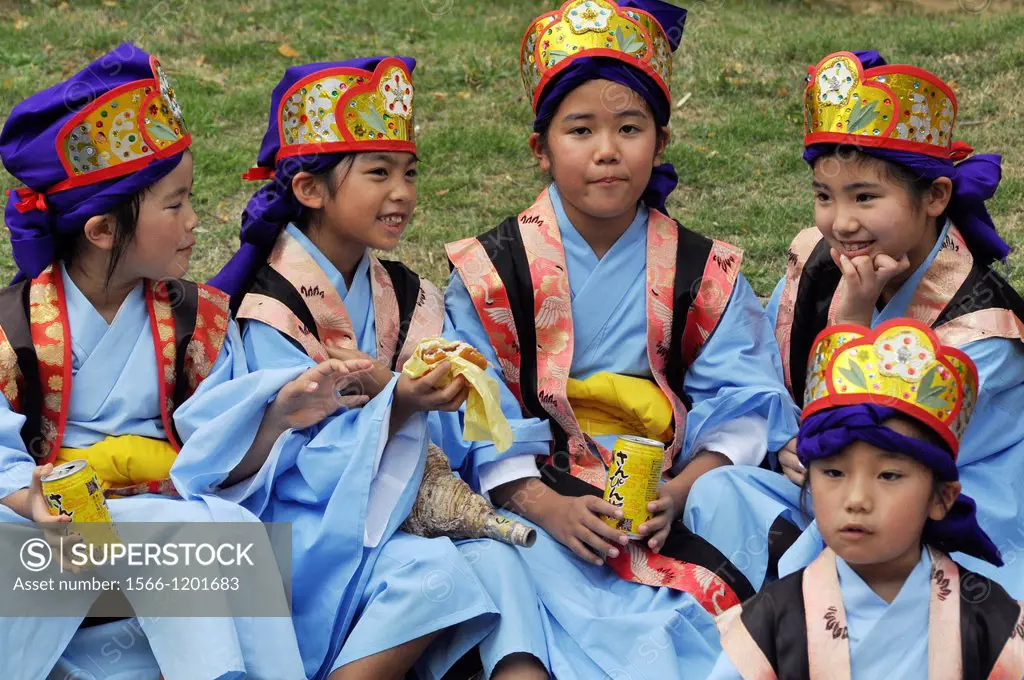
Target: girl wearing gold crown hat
(107, 354)
(902, 230)
(369, 597)
(885, 413)
(607, 317)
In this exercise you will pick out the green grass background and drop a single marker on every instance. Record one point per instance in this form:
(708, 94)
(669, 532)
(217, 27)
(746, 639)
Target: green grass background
(736, 139)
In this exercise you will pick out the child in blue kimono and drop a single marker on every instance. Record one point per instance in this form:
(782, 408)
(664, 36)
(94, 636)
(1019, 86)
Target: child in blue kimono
(369, 598)
(608, 318)
(901, 231)
(104, 351)
(882, 427)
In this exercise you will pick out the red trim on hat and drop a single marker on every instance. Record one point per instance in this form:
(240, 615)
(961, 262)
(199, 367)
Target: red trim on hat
(73, 180)
(883, 141)
(906, 69)
(942, 351)
(376, 78)
(316, 75)
(122, 169)
(531, 29)
(346, 146)
(96, 103)
(897, 108)
(621, 12)
(627, 59)
(877, 143)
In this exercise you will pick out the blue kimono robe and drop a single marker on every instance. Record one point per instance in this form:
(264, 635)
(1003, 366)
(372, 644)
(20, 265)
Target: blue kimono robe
(115, 392)
(735, 508)
(360, 585)
(598, 624)
(887, 640)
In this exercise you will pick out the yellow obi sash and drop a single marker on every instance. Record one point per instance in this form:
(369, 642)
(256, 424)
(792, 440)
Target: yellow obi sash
(609, 403)
(125, 460)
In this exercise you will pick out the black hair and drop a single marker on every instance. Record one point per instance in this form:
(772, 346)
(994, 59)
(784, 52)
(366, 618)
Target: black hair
(921, 432)
(126, 217)
(543, 126)
(303, 221)
(126, 222)
(910, 181)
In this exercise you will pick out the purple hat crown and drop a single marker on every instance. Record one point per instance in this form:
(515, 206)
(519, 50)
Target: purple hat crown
(120, 125)
(86, 145)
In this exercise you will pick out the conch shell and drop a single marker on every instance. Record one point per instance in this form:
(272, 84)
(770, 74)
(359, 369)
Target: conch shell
(447, 506)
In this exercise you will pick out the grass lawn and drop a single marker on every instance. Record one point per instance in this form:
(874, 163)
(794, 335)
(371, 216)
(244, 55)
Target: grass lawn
(736, 139)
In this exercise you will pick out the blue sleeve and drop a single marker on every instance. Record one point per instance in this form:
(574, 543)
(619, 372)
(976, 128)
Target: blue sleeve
(475, 460)
(991, 458)
(771, 310)
(16, 464)
(738, 374)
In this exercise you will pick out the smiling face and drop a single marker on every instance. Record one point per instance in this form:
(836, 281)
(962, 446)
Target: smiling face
(600, 150)
(861, 209)
(871, 504)
(372, 201)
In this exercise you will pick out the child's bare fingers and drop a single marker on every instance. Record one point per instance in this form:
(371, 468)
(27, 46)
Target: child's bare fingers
(583, 552)
(38, 473)
(795, 476)
(659, 506)
(865, 267)
(352, 401)
(849, 271)
(436, 375)
(653, 525)
(602, 507)
(452, 391)
(657, 542)
(336, 368)
(456, 403)
(595, 542)
(598, 526)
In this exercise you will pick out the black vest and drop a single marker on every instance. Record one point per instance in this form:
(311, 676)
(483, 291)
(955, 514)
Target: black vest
(983, 289)
(14, 319)
(505, 249)
(776, 620)
(268, 281)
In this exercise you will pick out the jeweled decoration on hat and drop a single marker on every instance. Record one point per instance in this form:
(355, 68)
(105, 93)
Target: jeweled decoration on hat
(901, 365)
(897, 107)
(347, 109)
(121, 131)
(593, 28)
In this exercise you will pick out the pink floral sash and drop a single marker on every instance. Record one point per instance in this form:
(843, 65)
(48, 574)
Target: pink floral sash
(939, 285)
(290, 260)
(554, 328)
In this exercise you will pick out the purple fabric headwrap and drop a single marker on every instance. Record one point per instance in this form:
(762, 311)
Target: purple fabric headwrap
(974, 181)
(827, 433)
(28, 151)
(274, 205)
(672, 19)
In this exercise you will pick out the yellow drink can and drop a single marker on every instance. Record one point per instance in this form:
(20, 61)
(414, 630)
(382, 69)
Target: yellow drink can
(633, 481)
(72, 489)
